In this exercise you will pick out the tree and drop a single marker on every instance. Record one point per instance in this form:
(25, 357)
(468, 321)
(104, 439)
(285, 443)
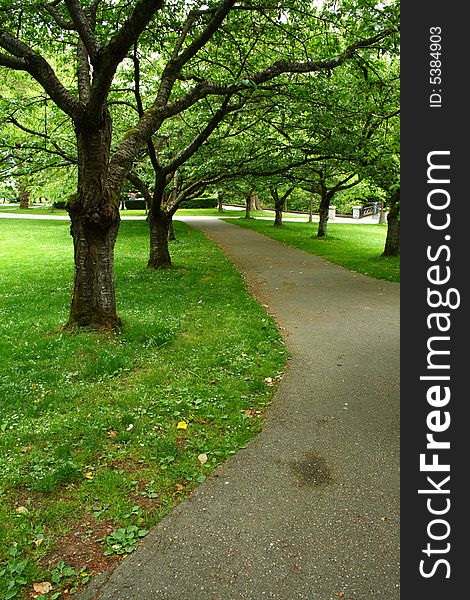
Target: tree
(279, 203)
(182, 142)
(97, 36)
(25, 194)
(392, 242)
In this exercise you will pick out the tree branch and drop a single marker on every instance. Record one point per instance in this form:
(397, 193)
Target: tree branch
(140, 107)
(118, 47)
(61, 22)
(18, 64)
(197, 142)
(156, 115)
(83, 73)
(38, 67)
(177, 62)
(83, 27)
(141, 186)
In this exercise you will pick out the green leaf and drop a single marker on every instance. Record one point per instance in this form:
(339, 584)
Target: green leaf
(11, 593)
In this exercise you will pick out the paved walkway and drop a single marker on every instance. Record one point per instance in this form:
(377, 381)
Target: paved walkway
(310, 509)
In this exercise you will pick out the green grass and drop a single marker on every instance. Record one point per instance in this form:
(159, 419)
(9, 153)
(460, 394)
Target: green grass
(358, 247)
(89, 437)
(48, 210)
(201, 212)
(33, 210)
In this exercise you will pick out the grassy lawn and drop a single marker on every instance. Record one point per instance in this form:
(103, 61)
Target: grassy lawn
(101, 436)
(33, 210)
(201, 212)
(357, 247)
(48, 210)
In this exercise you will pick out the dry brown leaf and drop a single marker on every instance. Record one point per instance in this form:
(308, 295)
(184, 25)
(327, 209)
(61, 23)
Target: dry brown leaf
(42, 588)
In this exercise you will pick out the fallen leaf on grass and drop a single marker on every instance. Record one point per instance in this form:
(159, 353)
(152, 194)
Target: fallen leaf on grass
(339, 594)
(22, 510)
(202, 458)
(27, 449)
(182, 425)
(179, 487)
(89, 475)
(42, 588)
(253, 413)
(112, 433)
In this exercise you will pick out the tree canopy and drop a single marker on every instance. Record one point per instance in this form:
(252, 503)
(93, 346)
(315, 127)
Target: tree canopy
(95, 87)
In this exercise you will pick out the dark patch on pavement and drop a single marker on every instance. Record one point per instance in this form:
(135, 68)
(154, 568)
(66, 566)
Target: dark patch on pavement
(312, 469)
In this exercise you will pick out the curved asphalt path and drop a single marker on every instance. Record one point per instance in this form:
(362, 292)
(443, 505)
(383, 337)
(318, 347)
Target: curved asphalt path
(310, 509)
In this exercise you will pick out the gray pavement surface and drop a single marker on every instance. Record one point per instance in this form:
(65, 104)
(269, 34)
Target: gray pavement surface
(310, 509)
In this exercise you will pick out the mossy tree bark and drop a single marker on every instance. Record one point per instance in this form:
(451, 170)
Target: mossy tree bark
(94, 214)
(159, 251)
(159, 224)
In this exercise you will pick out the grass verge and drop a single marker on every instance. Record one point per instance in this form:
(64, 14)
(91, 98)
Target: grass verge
(49, 210)
(200, 212)
(101, 436)
(358, 247)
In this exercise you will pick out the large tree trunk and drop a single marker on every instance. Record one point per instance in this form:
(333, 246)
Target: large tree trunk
(93, 298)
(159, 224)
(248, 207)
(220, 199)
(255, 201)
(252, 203)
(323, 213)
(25, 196)
(94, 214)
(171, 230)
(392, 243)
(278, 206)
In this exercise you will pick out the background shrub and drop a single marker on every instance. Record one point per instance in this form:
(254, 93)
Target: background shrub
(202, 202)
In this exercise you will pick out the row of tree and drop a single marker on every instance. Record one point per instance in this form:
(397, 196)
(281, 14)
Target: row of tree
(179, 96)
